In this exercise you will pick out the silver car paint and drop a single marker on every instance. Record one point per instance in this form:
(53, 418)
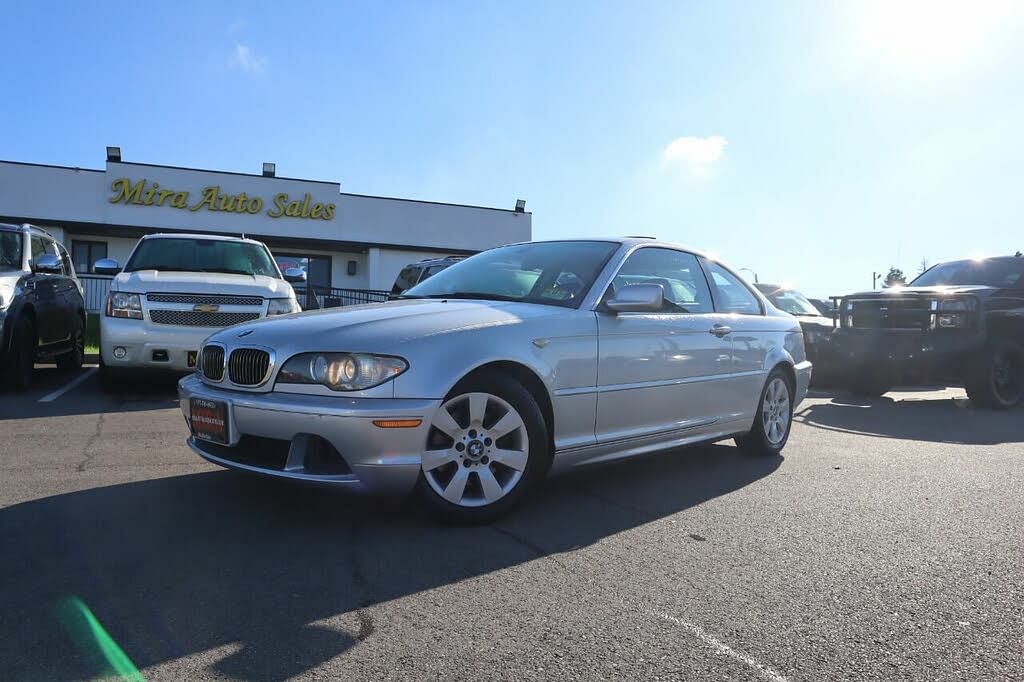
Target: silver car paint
(652, 381)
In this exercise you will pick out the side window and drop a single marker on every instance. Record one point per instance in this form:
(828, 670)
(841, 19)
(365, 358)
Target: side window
(677, 273)
(38, 247)
(406, 279)
(433, 270)
(69, 268)
(733, 294)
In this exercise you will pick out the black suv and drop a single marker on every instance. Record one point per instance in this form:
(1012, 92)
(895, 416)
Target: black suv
(961, 321)
(42, 312)
(414, 273)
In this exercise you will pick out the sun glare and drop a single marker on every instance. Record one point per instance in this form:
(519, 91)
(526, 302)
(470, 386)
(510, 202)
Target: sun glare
(923, 33)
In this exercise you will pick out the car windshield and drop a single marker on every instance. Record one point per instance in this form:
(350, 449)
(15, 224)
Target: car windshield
(10, 250)
(993, 272)
(553, 273)
(202, 255)
(792, 302)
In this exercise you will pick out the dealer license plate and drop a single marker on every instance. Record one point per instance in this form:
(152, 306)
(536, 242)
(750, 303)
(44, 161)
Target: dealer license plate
(209, 419)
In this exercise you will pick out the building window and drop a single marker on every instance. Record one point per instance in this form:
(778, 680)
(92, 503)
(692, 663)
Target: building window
(317, 268)
(85, 254)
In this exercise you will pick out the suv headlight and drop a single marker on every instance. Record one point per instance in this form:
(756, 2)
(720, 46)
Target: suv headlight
(954, 313)
(341, 371)
(283, 306)
(120, 304)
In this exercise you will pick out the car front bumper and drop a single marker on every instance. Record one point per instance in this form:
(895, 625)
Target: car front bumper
(898, 353)
(803, 371)
(140, 340)
(375, 459)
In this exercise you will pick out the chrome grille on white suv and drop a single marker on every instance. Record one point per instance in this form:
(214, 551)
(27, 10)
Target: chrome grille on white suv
(194, 299)
(189, 318)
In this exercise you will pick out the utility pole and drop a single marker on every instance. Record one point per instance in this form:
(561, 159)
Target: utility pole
(874, 280)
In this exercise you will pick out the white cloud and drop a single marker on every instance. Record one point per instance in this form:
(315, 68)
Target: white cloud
(696, 154)
(244, 58)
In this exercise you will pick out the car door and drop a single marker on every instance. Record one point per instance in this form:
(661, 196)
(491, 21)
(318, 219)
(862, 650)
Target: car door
(68, 293)
(751, 332)
(662, 372)
(44, 294)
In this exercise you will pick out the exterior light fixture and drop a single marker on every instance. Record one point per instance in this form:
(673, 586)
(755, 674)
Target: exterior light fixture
(114, 154)
(520, 205)
(269, 170)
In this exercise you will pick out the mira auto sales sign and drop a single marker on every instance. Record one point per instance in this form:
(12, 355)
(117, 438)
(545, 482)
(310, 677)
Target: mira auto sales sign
(281, 205)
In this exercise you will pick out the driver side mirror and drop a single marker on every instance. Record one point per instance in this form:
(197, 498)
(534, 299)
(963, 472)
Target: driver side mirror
(295, 275)
(106, 266)
(47, 264)
(637, 298)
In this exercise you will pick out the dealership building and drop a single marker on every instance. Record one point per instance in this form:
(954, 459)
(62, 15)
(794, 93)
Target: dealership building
(343, 240)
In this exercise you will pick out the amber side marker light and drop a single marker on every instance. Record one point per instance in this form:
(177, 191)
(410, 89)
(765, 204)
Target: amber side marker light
(397, 423)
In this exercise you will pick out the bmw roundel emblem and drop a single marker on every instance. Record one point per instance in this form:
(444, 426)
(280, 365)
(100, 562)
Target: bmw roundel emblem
(245, 333)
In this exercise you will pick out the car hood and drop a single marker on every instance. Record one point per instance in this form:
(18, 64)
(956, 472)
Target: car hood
(948, 290)
(814, 322)
(148, 281)
(381, 326)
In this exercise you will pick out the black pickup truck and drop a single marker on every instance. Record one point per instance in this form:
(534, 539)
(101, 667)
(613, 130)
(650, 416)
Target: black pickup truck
(961, 322)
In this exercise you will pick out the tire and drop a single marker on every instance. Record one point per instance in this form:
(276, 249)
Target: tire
(774, 419)
(22, 358)
(463, 478)
(75, 357)
(995, 376)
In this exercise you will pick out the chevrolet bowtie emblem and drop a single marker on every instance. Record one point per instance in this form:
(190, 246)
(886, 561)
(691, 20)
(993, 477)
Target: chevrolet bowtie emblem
(205, 308)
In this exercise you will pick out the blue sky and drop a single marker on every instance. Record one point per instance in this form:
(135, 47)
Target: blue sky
(812, 142)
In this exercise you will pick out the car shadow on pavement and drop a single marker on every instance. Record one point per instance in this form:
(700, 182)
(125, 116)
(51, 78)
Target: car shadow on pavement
(944, 420)
(177, 566)
(156, 391)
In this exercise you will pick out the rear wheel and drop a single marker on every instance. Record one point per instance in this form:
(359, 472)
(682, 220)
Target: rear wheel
(487, 445)
(75, 357)
(995, 376)
(22, 358)
(774, 417)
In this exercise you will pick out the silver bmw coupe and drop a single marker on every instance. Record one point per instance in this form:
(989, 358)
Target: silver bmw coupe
(522, 360)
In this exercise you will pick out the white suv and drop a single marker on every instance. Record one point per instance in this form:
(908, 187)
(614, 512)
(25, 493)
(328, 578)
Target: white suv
(176, 290)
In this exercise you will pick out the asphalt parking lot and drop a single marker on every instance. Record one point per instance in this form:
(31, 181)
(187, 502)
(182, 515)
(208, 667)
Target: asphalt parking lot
(885, 544)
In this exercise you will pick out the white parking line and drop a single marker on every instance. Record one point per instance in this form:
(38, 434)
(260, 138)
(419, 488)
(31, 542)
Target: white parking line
(722, 648)
(68, 386)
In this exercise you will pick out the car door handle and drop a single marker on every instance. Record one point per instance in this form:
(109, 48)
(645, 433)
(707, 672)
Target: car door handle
(720, 330)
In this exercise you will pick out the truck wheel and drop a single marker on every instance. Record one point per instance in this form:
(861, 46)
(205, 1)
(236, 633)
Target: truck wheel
(995, 376)
(75, 357)
(22, 359)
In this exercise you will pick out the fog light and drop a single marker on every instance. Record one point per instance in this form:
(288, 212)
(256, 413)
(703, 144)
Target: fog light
(120, 352)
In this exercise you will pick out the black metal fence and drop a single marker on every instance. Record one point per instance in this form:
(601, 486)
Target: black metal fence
(312, 298)
(95, 288)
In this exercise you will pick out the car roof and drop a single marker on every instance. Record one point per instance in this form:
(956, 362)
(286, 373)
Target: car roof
(25, 227)
(210, 237)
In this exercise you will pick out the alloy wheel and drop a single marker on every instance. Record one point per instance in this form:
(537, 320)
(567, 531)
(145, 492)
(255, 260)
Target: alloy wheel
(775, 411)
(477, 450)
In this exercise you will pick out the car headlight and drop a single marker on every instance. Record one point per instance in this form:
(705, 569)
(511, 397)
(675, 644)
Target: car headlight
(283, 306)
(120, 304)
(341, 371)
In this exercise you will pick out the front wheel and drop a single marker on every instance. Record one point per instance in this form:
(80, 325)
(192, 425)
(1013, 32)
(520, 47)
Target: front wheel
(487, 445)
(995, 376)
(75, 357)
(774, 418)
